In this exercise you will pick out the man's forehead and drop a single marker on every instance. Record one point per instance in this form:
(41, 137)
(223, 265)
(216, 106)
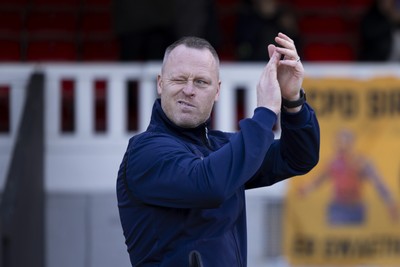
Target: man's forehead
(193, 56)
(183, 49)
(183, 57)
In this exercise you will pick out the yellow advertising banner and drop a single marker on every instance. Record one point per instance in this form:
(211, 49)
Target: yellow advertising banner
(346, 212)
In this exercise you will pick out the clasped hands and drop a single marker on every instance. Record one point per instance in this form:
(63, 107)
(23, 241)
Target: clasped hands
(281, 77)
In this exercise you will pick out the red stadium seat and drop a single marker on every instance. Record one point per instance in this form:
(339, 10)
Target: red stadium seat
(10, 23)
(96, 24)
(10, 50)
(46, 50)
(105, 50)
(17, 4)
(317, 24)
(359, 3)
(54, 22)
(10, 2)
(97, 3)
(58, 4)
(227, 20)
(316, 3)
(339, 51)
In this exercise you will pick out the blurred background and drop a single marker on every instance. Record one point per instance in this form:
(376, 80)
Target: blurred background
(77, 80)
(107, 30)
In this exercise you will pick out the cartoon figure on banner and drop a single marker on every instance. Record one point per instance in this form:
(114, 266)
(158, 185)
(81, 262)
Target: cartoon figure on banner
(348, 171)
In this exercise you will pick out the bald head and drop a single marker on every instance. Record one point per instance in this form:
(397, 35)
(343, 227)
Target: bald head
(195, 43)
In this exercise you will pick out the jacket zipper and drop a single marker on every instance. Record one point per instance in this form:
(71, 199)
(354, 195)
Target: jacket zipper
(207, 140)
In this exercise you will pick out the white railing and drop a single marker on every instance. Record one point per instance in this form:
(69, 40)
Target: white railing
(86, 161)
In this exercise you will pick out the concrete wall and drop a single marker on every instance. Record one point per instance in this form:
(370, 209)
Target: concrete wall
(83, 230)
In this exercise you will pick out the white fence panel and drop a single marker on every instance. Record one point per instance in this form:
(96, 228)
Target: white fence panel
(87, 161)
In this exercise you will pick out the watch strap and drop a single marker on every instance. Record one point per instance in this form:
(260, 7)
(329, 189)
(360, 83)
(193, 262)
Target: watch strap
(293, 104)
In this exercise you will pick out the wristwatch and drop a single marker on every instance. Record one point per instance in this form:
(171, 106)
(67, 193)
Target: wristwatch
(293, 104)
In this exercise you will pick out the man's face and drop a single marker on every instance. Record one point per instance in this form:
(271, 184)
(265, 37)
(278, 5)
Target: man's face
(188, 86)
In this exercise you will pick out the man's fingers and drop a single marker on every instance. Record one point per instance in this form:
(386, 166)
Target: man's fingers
(288, 49)
(275, 57)
(285, 37)
(271, 50)
(288, 53)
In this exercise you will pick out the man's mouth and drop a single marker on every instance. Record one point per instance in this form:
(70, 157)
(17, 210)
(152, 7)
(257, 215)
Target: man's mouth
(184, 103)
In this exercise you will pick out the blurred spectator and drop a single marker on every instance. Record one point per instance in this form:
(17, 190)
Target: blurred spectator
(377, 33)
(258, 23)
(197, 18)
(395, 53)
(145, 28)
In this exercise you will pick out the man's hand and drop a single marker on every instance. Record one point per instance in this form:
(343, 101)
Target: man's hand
(268, 90)
(290, 69)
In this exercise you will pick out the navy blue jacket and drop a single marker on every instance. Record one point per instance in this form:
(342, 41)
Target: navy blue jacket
(181, 190)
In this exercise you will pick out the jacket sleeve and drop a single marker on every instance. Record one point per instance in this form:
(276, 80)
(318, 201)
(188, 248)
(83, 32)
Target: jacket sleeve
(295, 153)
(161, 170)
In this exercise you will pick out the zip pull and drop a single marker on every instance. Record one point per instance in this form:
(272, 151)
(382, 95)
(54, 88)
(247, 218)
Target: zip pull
(207, 139)
(195, 259)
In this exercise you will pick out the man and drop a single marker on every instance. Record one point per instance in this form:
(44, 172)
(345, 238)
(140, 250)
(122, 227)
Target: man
(181, 187)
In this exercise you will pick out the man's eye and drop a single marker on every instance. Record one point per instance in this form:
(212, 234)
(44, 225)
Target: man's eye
(201, 83)
(179, 81)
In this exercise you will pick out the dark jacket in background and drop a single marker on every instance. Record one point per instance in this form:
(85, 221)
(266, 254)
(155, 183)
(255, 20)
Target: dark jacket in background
(144, 29)
(376, 35)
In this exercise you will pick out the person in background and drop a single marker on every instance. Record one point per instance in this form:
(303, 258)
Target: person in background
(378, 38)
(395, 52)
(181, 186)
(197, 18)
(259, 21)
(145, 28)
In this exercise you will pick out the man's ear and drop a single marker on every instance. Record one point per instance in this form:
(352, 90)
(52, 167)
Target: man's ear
(159, 84)
(218, 91)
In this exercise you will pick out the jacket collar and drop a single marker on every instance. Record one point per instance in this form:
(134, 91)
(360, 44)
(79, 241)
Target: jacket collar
(161, 123)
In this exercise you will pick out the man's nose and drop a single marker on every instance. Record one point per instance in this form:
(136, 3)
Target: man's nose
(189, 88)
